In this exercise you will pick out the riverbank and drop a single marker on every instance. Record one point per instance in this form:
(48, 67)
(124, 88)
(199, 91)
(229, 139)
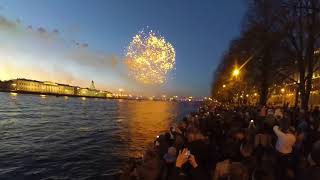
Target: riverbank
(16, 92)
(239, 143)
(51, 88)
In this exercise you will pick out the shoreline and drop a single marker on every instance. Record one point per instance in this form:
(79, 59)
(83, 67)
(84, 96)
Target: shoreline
(60, 95)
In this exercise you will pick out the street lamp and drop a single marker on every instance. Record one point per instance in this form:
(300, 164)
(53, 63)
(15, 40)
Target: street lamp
(224, 86)
(235, 72)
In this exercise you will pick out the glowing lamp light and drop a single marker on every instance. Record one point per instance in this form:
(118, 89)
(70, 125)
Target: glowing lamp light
(224, 86)
(282, 90)
(236, 72)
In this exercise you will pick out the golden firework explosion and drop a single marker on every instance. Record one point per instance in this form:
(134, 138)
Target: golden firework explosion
(150, 58)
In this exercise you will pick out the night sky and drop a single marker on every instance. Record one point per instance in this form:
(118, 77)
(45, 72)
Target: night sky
(200, 32)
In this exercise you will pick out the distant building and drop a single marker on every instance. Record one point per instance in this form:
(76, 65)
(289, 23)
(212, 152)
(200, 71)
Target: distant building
(288, 94)
(46, 87)
(90, 92)
(92, 87)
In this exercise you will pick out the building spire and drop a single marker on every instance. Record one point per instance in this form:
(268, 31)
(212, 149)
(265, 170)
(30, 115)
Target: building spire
(92, 86)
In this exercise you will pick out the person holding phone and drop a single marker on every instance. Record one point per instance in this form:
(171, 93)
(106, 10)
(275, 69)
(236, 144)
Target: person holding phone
(193, 173)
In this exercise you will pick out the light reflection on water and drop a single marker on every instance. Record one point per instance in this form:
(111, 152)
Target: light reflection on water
(57, 137)
(145, 120)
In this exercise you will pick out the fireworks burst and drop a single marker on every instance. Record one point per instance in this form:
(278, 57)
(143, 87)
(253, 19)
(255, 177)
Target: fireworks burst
(150, 58)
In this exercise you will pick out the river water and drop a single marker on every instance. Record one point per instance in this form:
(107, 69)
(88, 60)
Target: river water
(73, 138)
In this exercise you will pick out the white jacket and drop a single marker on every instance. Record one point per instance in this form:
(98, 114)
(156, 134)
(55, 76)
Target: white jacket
(285, 141)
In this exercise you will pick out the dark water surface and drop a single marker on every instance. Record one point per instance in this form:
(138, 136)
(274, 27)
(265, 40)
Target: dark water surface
(73, 138)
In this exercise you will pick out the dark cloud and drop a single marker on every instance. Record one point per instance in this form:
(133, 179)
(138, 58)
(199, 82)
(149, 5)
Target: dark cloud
(7, 24)
(85, 45)
(75, 43)
(79, 51)
(42, 30)
(79, 44)
(55, 31)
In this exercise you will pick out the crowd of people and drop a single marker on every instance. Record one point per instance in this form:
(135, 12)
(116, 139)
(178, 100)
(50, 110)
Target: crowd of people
(238, 143)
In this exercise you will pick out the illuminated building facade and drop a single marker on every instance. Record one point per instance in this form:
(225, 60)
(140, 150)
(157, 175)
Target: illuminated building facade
(286, 93)
(50, 88)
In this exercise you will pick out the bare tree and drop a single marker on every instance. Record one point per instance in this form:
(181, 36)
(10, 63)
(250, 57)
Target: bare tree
(301, 24)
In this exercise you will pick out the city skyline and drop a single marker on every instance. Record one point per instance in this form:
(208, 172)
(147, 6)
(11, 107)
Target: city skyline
(75, 43)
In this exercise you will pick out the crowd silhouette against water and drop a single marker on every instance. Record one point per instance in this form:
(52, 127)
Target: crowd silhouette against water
(234, 143)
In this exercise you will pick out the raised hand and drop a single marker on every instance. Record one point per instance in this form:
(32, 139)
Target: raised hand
(192, 161)
(182, 158)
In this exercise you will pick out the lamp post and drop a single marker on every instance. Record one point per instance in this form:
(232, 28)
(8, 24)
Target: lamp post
(235, 74)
